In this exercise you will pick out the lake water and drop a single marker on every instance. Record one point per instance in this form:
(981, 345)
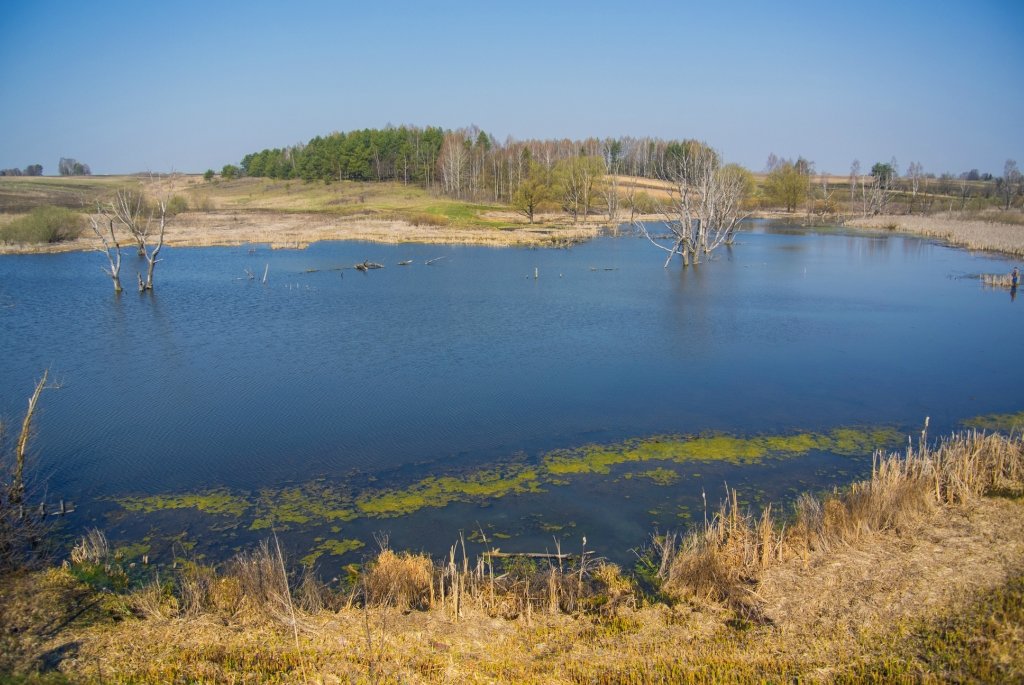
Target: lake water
(308, 391)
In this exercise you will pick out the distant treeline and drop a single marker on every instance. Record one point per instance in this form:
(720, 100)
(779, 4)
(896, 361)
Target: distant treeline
(465, 163)
(30, 170)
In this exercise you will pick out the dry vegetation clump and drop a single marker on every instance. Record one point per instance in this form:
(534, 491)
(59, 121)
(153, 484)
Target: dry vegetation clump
(725, 559)
(404, 580)
(997, 280)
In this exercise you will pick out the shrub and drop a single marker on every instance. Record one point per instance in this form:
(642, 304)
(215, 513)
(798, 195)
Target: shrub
(176, 205)
(43, 225)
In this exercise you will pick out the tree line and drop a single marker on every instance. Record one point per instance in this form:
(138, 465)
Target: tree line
(790, 184)
(467, 163)
(30, 170)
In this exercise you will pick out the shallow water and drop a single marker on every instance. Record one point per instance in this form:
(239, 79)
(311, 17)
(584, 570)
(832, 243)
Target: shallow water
(379, 379)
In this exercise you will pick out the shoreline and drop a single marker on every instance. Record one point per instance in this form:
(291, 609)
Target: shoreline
(298, 230)
(915, 574)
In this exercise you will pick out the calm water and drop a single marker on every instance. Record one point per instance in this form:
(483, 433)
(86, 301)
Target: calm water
(218, 381)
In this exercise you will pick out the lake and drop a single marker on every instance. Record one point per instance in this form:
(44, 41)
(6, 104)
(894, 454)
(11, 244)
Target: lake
(599, 398)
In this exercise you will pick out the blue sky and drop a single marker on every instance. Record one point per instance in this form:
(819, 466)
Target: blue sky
(134, 86)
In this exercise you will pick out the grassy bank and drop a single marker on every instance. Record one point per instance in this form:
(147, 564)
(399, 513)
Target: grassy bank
(912, 575)
(291, 214)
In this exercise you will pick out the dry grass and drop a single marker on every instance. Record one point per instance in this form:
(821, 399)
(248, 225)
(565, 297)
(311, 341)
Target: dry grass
(1001, 232)
(725, 560)
(997, 280)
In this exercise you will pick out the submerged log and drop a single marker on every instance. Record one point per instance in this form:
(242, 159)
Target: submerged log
(498, 554)
(366, 265)
(407, 262)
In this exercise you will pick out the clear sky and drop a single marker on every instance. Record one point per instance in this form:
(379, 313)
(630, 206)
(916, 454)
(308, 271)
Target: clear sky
(182, 85)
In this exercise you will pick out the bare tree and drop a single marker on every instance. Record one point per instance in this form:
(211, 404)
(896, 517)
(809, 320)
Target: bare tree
(21, 526)
(854, 175)
(146, 222)
(705, 205)
(130, 209)
(914, 173)
(1010, 182)
(111, 247)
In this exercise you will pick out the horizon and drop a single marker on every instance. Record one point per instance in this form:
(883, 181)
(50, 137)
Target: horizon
(206, 85)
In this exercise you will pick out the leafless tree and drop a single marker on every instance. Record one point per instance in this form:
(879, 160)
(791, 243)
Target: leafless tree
(1010, 183)
(705, 205)
(854, 175)
(20, 525)
(914, 173)
(146, 222)
(111, 247)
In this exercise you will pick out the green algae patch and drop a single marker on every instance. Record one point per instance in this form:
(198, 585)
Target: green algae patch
(310, 503)
(717, 447)
(331, 547)
(220, 502)
(131, 552)
(660, 476)
(1001, 423)
(855, 442)
(442, 491)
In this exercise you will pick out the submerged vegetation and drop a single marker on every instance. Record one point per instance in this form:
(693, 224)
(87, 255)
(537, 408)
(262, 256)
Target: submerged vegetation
(743, 597)
(317, 503)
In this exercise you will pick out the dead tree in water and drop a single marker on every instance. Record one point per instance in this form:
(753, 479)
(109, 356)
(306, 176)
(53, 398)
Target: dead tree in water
(142, 220)
(705, 203)
(20, 525)
(111, 247)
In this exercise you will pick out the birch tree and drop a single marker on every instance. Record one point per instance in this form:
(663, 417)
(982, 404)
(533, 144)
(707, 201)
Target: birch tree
(705, 204)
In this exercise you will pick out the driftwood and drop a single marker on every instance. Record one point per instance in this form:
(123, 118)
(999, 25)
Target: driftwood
(435, 259)
(367, 265)
(498, 554)
(405, 263)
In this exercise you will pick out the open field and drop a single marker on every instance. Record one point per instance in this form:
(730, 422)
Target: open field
(912, 576)
(293, 213)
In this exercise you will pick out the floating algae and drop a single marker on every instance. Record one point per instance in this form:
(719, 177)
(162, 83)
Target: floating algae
(660, 476)
(310, 503)
(219, 502)
(732, 449)
(331, 547)
(314, 504)
(442, 491)
(1002, 423)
